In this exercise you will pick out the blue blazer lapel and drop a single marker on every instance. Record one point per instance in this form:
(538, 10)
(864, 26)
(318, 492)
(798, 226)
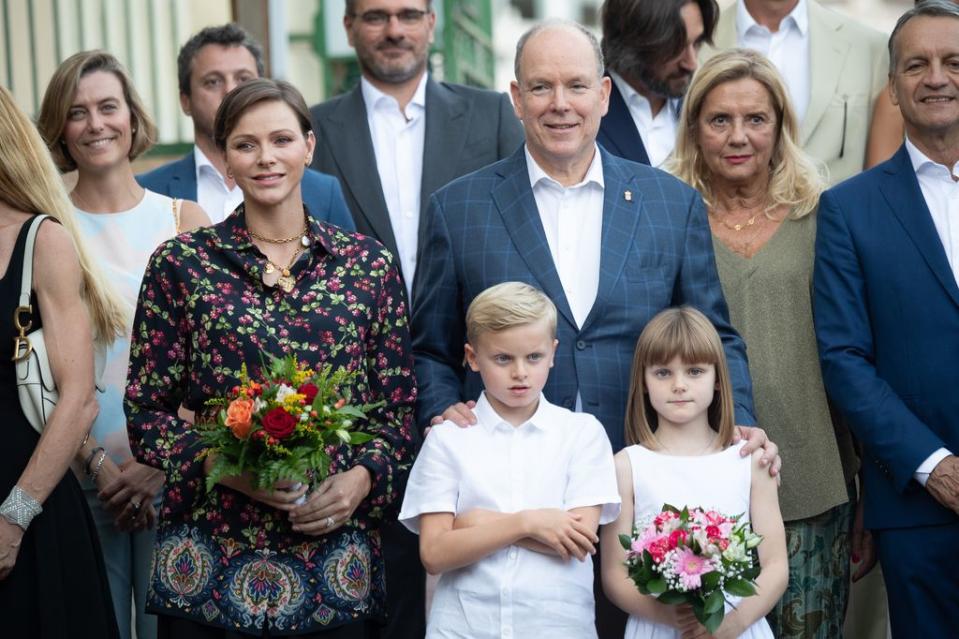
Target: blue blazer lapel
(907, 203)
(513, 198)
(620, 216)
(617, 130)
(183, 179)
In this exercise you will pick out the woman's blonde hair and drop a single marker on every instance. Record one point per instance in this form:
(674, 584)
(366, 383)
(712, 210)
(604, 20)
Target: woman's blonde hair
(30, 182)
(795, 181)
(60, 94)
(687, 334)
(508, 305)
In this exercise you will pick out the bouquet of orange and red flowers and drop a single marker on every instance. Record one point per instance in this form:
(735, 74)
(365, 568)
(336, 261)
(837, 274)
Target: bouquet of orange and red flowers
(278, 428)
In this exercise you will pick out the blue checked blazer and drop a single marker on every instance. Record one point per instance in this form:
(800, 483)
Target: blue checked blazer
(484, 228)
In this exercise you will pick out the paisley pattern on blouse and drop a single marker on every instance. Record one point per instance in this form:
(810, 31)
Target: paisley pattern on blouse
(223, 559)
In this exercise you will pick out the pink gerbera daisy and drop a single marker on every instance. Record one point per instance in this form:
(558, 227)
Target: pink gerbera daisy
(690, 567)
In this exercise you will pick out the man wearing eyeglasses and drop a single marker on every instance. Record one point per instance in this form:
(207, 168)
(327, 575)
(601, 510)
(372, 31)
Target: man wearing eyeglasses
(392, 141)
(400, 135)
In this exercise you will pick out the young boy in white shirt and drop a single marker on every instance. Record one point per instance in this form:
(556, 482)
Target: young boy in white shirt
(507, 510)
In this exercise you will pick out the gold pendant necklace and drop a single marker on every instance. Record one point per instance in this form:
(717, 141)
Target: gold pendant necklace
(274, 275)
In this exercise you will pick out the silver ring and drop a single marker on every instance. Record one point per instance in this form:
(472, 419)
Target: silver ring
(329, 522)
(136, 508)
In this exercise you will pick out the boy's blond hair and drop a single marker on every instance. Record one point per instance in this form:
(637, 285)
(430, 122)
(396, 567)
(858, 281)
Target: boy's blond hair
(508, 305)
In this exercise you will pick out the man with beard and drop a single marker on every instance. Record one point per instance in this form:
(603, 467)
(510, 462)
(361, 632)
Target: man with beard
(651, 49)
(211, 64)
(392, 141)
(400, 135)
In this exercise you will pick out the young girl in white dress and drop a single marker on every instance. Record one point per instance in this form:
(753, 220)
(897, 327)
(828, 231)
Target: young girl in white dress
(679, 424)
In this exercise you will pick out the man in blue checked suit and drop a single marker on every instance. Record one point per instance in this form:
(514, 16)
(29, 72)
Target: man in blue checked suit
(612, 242)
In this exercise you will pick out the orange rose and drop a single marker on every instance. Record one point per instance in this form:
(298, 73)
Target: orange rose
(239, 416)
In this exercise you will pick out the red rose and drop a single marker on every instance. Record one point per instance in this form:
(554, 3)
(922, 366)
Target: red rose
(675, 537)
(658, 549)
(279, 423)
(713, 532)
(309, 390)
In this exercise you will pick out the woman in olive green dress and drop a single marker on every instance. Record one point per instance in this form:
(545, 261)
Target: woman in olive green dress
(737, 145)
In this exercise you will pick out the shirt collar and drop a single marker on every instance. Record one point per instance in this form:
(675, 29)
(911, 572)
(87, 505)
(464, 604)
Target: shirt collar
(372, 96)
(921, 162)
(488, 418)
(594, 174)
(203, 161)
(798, 18)
(674, 105)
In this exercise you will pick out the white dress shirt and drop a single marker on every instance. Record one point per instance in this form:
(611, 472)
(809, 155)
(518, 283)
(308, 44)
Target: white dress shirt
(558, 459)
(212, 193)
(573, 220)
(658, 132)
(941, 193)
(787, 49)
(398, 140)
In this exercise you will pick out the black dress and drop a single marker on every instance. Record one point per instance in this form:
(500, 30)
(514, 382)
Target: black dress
(58, 587)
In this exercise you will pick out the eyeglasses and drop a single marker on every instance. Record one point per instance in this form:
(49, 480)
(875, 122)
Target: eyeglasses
(378, 18)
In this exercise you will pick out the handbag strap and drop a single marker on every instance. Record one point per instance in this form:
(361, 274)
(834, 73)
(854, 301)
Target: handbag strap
(26, 279)
(177, 203)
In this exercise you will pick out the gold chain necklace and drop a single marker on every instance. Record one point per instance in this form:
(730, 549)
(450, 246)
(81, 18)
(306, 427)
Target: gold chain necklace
(736, 227)
(282, 240)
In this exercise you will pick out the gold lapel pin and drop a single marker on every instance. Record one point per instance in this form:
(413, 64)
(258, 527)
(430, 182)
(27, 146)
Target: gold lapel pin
(628, 196)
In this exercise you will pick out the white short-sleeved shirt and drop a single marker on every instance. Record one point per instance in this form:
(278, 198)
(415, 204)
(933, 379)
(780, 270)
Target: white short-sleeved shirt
(558, 459)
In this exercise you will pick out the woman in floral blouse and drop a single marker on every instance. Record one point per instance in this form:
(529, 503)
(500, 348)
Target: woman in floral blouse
(269, 278)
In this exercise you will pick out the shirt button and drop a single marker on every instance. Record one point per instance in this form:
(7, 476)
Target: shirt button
(507, 632)
(408, 214)
(513, 554)
(505, 591)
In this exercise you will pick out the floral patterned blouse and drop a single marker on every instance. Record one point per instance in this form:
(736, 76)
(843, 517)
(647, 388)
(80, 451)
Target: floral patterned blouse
(222, 559)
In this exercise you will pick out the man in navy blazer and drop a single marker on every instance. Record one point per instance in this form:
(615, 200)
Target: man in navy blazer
(211, 64)
(887, 321)
(651, 49)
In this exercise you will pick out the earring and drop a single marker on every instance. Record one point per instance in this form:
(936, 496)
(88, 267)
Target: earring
(309, 159)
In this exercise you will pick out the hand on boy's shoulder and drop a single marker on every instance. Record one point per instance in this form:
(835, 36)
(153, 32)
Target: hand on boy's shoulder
(460, 414)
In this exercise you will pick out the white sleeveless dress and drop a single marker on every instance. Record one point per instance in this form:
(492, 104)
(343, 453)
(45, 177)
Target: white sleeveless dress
(720, 482)
(122, 244)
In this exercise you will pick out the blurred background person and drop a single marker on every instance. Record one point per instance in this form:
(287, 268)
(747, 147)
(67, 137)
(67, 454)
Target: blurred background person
(651, 49)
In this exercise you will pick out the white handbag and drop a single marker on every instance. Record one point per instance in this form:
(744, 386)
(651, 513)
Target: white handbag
(35, 384)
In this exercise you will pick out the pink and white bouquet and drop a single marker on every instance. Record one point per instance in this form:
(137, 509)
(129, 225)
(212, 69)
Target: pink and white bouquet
(694, 556)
